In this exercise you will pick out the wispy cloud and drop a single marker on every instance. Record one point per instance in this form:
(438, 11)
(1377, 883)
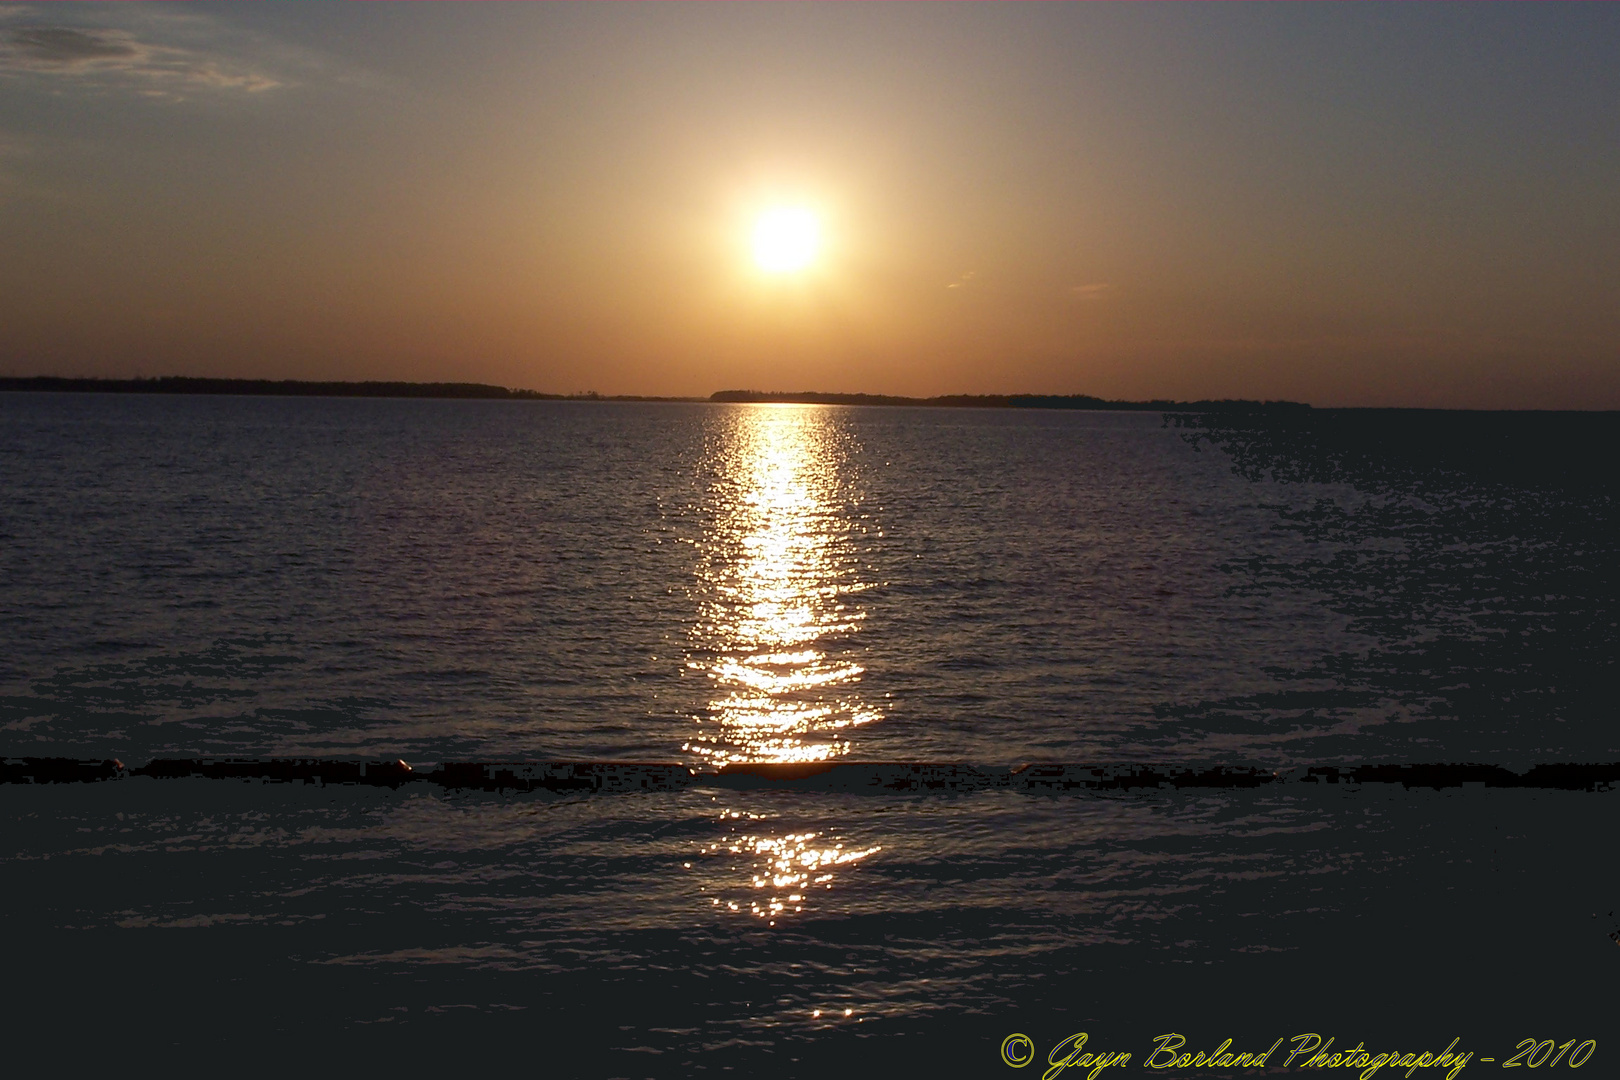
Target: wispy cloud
(113, 58)
(966, 281)
(1094, 291)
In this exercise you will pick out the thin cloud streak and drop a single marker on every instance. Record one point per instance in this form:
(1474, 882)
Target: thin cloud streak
(108, 58)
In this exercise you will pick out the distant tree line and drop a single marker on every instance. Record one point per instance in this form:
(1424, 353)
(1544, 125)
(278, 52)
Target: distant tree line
(184, 384)
(1007, 401)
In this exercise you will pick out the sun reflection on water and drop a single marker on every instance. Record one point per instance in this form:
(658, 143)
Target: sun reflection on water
(784, 873)
(777, 577)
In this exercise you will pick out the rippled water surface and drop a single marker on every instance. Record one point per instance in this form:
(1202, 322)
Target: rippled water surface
(487, 580)
(706, 584)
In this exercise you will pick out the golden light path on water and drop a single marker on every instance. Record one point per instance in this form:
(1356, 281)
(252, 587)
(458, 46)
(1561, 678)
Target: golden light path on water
(783, 872)
(778, 571)
(778, 574)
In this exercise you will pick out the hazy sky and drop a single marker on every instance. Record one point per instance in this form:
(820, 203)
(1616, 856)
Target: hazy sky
(1336, 203)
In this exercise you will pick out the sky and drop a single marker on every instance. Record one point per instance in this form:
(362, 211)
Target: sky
(1345, 204)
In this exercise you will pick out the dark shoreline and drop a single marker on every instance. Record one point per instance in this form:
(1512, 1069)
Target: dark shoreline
(1005, 401)
(185, 384)
(182, 384)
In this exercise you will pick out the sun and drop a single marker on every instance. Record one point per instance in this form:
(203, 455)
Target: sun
(786, 239)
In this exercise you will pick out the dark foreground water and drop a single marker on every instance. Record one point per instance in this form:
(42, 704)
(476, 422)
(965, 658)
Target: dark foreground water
(447, 581)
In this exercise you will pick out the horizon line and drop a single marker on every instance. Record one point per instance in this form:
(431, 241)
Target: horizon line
(402, 388)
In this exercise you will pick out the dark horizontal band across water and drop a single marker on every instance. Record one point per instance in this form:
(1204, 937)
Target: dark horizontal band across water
(874, 777)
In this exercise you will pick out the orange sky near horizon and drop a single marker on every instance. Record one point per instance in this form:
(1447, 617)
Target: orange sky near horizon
(1362, 205)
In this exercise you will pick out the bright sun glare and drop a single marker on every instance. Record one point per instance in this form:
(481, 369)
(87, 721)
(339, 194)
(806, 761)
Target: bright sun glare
(785, 239)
